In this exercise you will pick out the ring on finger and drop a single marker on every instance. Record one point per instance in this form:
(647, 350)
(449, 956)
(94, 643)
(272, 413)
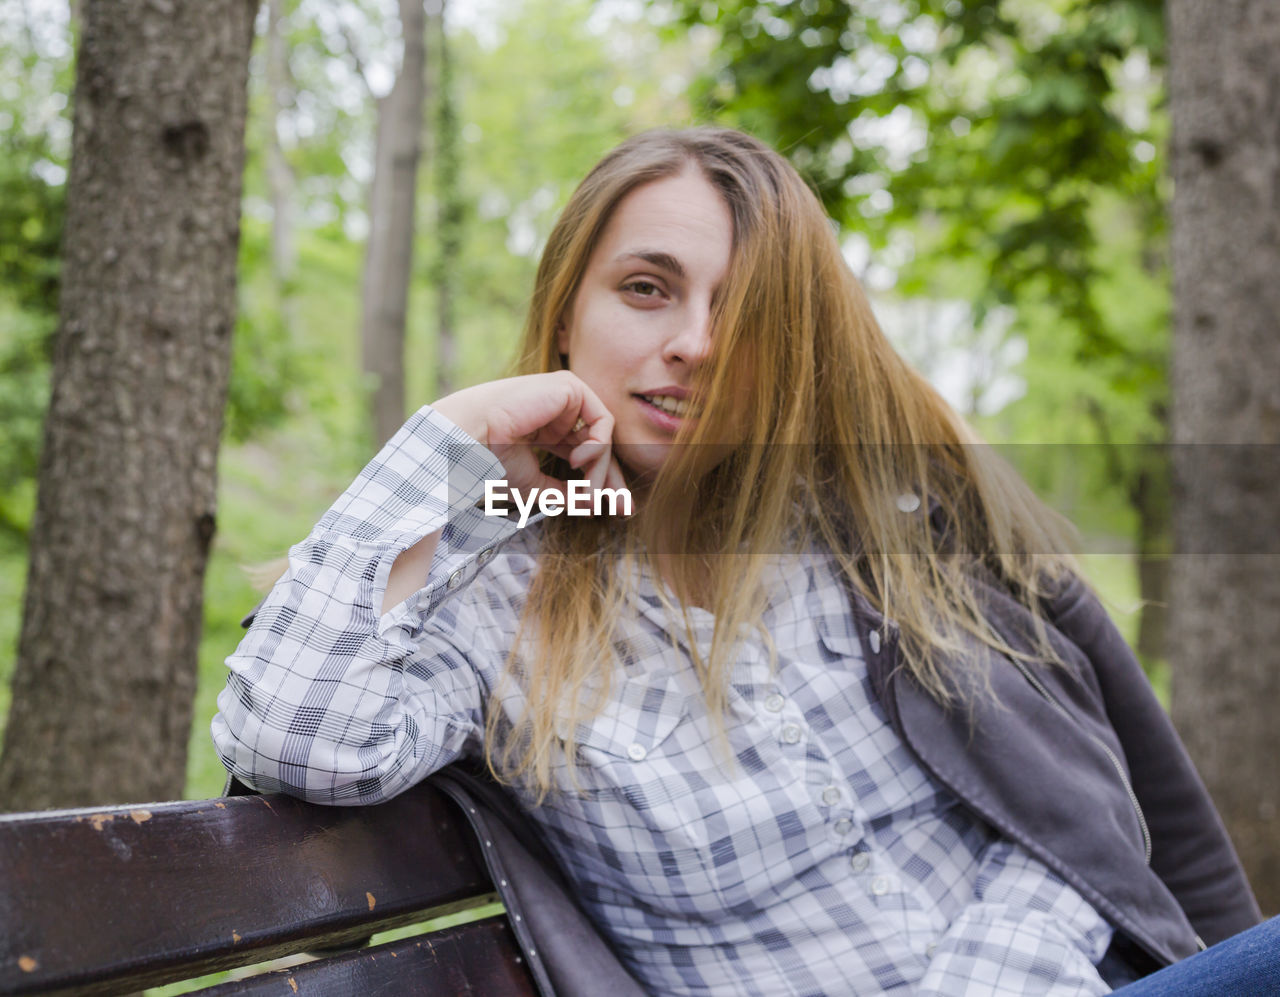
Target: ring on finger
(579, 425)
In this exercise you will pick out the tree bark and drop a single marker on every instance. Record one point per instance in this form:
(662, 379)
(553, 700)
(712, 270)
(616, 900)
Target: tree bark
(106, 667)
(1150, 499)
(1225, 630)
(392, 204)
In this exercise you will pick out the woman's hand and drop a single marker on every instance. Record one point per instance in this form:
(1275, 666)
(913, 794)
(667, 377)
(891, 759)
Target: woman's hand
(515, 418)
(519, 416)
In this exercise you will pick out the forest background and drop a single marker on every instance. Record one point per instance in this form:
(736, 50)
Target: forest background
(998, 171)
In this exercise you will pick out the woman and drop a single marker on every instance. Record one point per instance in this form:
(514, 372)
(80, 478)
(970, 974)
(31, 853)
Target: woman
(830, 713)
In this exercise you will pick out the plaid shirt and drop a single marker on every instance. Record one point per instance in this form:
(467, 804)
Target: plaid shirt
(824, 860)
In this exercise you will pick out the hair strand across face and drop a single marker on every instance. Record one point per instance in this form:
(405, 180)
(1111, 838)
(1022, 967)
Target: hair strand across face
(812, 429)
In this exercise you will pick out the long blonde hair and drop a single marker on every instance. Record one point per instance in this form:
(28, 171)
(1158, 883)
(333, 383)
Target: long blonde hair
(831, 428)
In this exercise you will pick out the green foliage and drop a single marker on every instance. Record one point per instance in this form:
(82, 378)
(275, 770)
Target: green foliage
(24, 396)
(34, 149)
(31, 218)
(263, 352)
(1005, 150)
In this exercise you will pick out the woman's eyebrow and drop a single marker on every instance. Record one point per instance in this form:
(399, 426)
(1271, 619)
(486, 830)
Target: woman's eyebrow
(656, 257)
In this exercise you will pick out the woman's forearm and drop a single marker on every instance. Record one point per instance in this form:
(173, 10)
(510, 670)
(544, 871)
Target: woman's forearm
(409, 572)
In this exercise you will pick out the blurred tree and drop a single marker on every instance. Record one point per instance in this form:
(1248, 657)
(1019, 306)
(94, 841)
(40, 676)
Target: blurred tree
(1225, 88)
(105, 674)
(280, 179)
(309, 123)
(449, 210)
(1006, 151)
(388, 262)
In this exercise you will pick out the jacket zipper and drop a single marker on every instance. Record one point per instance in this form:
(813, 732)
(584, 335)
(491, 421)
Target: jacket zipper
(1124, 778)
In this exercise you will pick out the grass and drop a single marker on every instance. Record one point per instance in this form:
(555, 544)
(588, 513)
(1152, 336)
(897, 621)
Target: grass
(408, 931)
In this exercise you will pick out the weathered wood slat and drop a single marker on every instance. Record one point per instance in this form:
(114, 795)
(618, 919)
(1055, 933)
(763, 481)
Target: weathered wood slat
(477, 958)
(112, 900)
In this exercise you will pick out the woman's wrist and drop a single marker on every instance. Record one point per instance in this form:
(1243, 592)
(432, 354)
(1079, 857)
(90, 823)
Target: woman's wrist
(459, 408)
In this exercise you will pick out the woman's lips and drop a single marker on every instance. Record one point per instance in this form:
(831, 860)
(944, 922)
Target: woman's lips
(664, 411)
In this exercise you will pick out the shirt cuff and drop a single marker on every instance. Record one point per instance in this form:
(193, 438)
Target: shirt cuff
(429, 477)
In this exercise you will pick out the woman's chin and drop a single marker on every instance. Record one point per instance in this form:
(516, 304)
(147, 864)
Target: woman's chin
(641, 462)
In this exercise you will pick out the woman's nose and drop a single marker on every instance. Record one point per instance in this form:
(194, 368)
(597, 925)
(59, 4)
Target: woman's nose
(691, 341)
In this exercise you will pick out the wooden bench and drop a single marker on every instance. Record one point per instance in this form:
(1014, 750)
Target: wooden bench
(112, 900)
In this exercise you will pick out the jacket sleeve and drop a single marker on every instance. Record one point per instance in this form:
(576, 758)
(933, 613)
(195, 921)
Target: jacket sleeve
(1191, 852)
(331, 699)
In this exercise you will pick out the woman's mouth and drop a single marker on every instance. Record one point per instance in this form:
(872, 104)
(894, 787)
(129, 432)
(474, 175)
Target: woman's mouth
(677, 407)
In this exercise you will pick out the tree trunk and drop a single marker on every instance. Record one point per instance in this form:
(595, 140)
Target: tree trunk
(106, 667)
(449, 212)
(388, 261)
(1149, 496)
(1225, 629)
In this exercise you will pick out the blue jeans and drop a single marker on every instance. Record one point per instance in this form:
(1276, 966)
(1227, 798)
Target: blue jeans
(1246, 965)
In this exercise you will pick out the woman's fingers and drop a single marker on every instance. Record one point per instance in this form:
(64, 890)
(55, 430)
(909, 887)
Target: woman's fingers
(519, 418)
(545, 410)
(613, 476)
(584, 455)
(557, 413)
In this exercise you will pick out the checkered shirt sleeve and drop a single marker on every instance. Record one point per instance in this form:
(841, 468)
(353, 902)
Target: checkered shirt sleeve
(1025, 934)
(328, 699)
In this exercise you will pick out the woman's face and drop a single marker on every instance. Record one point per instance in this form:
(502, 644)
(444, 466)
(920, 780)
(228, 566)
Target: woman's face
(639, 324)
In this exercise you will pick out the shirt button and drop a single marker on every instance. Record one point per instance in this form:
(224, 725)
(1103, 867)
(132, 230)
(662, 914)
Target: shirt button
(636, 752)
(455, 579)
(486, 555)
(931, 948)
(908, 501)
(791, 734)
(880, 885)
(773, 703)
(860, 861)
(843, 826)
(873, 639)
(831, 796)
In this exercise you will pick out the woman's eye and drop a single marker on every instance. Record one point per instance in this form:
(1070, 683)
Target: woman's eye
(643, 288)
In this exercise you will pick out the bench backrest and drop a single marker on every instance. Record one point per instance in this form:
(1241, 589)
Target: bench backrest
(116, 899)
